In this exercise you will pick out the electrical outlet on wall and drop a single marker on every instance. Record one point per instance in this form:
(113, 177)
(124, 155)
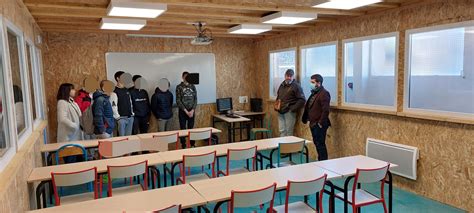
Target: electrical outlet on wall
(243, 99)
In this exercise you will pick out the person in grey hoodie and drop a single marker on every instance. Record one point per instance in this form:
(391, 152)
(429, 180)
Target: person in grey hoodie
(186, 99)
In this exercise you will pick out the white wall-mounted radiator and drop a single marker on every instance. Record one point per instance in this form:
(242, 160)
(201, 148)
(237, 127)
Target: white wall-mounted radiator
(402, 155)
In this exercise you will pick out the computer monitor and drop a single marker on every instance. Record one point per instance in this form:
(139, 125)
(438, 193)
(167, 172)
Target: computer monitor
(224, 105)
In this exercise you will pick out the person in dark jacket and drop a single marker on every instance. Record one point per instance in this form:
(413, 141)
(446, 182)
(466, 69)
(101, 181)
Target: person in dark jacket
(161, 105)
(316, 111)
(186, 99)
(104, 122)
(141, 105)
(124, 103)
(291, 99)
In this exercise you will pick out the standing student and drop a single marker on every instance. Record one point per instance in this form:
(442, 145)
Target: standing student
(84, 100)
(124, 106)
(161, 105)
(186, 99)
(290, 99)
(316, 111)
(141, 105)
(104, 122)
(69, 115)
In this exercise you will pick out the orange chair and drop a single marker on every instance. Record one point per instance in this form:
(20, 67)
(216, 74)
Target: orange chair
(71, 179)
(128, 171)
(239, 155)
(201, 160)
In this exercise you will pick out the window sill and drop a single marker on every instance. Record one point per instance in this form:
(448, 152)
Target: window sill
(380, 110)
(437, 117)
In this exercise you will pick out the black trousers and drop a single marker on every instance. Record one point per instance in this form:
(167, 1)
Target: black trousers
(185, 122)
(319, 140)
(140, 125)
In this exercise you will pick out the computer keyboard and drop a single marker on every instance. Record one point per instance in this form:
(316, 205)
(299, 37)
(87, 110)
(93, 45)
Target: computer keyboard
(232, 116)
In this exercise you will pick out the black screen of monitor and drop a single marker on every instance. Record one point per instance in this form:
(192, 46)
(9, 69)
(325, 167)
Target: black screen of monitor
(224, 104)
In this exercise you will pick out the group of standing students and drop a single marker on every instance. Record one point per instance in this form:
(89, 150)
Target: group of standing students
(126, 111)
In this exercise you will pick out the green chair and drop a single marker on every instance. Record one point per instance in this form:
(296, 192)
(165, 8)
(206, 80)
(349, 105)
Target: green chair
(266, 128)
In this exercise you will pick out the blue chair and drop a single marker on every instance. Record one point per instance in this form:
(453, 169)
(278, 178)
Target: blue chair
(266, 128)
(62, 148)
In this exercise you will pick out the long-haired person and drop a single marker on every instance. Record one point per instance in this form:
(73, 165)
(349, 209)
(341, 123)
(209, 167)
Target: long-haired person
(69, 114)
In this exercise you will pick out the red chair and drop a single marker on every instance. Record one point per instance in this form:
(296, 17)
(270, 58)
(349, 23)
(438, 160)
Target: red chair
(199, 135)
(303, 188)
(71, 179)
(170, 209)
(360, 197)
(128, 171)
(258, 197)
(201, 160)
(239, 155)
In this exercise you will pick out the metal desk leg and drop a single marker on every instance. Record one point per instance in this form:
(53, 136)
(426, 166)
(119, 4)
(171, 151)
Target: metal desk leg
(41, 190)
(390, 192)
(233, 131)
(346, 187)
(218, 206)
(165, 179)
(229, 132)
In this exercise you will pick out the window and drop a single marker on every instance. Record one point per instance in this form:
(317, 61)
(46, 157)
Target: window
(19, 84)
(370, 65)
(30, 65)
(38, 81)
(440, 69)
(320, 59)
(4, 128)
(280, 61)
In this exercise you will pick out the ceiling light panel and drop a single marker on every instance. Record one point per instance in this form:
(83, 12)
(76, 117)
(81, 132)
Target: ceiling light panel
(135, 9)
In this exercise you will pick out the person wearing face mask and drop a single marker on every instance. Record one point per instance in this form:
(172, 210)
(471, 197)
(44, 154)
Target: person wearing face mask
(316, 111)
(69, 115)
(290, 99)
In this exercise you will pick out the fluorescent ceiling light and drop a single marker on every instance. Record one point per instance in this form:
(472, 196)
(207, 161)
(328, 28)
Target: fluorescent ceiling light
(288, 17)
(343, 4)
(250, 29)
(122, 24)
(135, 9)
(157, 36)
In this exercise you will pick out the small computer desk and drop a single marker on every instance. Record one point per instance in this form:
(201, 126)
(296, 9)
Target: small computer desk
(244, 123)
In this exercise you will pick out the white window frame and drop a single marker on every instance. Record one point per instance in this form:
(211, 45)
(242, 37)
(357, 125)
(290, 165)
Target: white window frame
(407, 75)
(22, 136)
(333, 103)
(34, 77)
(270, 78)
(8, 91)
(41, 98)
(380, 108)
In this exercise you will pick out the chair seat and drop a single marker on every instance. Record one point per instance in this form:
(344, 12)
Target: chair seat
(195, 177)
(259, 130)
(76, 198)
(284, 164)
(127, 189)
(238, 171)
(361, 197)
(297, 207)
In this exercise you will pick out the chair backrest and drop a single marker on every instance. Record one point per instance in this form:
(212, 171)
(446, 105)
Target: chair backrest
(117, 148)
(70, 150)
(242, 199)
(199, 160)
(288, 148)
(242, 154)
(170, 209)
(124, 171)
(268, 121)
(61, 179)
(303, 188)
(371, 175)
(170, 138)
(199, 135)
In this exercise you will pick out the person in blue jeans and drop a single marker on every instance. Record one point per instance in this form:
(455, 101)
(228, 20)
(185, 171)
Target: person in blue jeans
(104, 122)
(124, 104)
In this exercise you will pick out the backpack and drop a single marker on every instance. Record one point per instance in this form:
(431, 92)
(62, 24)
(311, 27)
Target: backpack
(87, 121)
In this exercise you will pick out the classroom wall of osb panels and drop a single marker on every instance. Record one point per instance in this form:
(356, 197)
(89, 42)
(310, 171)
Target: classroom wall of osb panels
(70, 57)
(445, 167)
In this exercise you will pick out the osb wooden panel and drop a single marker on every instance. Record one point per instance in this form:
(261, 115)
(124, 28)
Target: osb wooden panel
(17, 13)
(446, 164)
(70, 57)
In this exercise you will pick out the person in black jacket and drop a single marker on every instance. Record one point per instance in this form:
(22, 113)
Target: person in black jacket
(291, 98)
(104, 122)
(141, 105)
(161, 105)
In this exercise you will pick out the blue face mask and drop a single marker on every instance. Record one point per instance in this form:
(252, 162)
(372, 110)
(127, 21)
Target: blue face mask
(314, 87)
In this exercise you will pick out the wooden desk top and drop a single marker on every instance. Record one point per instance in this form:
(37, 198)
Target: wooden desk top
(52, 147)
(347, 166)
(219, 189)
(230, 120)
(44, 173)
(181, 133)
(145, 201)
(221, 149)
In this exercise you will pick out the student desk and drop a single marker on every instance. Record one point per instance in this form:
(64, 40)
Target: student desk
(347, 167)
(254, 116)
(43, 174)
(175, 157)
(231, 123)
(219, 189)
(146, 201)
(181, 133)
